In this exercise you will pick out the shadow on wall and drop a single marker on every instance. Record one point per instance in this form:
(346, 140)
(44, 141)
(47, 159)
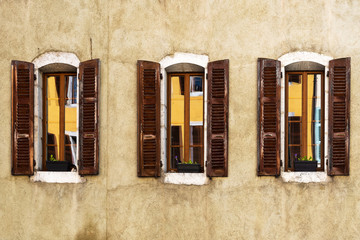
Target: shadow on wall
(89, 231)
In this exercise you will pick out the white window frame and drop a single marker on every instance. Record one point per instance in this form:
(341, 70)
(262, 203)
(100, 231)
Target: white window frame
(39, 62)
(181, 178)
(305, 177)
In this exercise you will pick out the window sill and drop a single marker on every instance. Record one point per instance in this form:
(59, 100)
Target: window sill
(186, 178)
(57, 177)
(305, 177)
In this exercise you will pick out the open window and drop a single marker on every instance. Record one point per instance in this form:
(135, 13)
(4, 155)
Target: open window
(305, 117)
(62, 122)
(191, 126)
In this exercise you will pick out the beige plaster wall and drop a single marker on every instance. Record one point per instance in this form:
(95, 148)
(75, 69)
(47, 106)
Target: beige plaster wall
(117, 204)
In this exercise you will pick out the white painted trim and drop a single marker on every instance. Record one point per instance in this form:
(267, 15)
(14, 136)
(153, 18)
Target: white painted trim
(181, 178)
(57, 177)
(56, 57)
(47, 176)
(304, 177)
(186, 178)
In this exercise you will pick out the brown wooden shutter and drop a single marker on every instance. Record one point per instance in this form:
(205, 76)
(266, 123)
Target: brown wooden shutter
(217, 119)
(148, 119)
(22, 75)
(339, 116)
(269, 76)
(89, 81)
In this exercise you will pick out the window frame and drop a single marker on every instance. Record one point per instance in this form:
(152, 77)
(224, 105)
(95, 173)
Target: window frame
(187, 123)
(63, 105)
(304, 114)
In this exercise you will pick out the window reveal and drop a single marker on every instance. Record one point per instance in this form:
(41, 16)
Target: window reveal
(185, 118)
(304, 118)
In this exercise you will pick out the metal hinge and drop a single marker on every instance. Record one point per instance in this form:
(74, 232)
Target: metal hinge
(327, 162)
(281, 163)
(34, 77)
(328, 74)
(206, 76)
(161, 76)
(281, 75)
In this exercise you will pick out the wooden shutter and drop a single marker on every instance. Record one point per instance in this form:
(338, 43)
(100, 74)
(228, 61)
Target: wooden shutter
(148, 119)
(269, 76)
(89, 81)
(22, 75)
(217, 124)
(339, 116)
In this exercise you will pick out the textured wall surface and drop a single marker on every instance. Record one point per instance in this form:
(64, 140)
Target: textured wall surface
(117, 204)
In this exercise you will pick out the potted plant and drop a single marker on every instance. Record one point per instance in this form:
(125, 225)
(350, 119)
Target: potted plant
(188, 167)
(56, 165)
(305, 164)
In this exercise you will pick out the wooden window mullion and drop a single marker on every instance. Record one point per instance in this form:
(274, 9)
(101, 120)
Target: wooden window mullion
(187, 117)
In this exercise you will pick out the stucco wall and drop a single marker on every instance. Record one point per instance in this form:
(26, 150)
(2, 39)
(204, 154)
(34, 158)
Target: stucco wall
(117, 204)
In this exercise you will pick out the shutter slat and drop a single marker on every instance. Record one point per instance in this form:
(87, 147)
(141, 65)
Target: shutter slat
(339, 116)
(22, 75)
(89, 86)
(268, 117)
(148, 119)
(218, 104)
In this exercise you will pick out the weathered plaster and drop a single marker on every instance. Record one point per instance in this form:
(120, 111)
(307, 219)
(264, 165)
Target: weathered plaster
(117, 204)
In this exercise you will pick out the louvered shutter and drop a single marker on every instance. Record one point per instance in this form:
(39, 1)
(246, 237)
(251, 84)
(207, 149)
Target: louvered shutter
(148, 119)
(217, 133)
(339, 116)
(22, 75)
(269, 76)
(89, 81)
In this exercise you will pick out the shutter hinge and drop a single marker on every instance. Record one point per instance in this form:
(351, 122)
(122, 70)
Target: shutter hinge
(328, 74)
(161, 76)
(327, 162)
(34, 77)
(206, 76)
(281, 163)
(281, 75)
(78, 163)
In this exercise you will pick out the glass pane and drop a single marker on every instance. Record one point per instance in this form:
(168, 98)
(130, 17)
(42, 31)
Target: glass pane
(70, 90)
(177, 120)
(70, 148)
(294, 153)
(196, 101)
(314, 117)
(176, 156)
(53, 116)
(70, 119)
(295, 99)
(196, 135)
(196, 85)
(294, 117)
(294, 130)
(195, 154)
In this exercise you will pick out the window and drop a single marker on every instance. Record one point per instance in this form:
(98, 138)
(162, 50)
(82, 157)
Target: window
(63, 105)
(185, 120)
(60, 120)
(185, 117)
(304, 117)
(304, 94)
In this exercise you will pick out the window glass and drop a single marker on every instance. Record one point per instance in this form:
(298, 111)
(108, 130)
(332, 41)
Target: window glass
(61, 117)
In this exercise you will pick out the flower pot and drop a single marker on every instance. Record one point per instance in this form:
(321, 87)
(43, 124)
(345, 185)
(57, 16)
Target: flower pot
(188, 168)
(58, 166)
(305, 166)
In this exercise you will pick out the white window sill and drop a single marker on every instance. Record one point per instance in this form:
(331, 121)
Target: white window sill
(57, 177)
(305, 177)
(186, 178)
